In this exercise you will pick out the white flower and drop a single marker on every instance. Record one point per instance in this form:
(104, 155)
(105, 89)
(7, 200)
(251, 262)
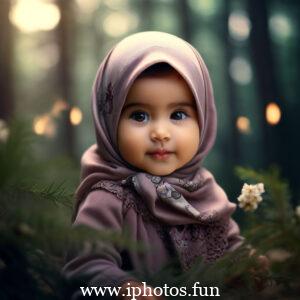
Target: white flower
(260, 187)
(251, 196)
(297, 211)
(4, 131)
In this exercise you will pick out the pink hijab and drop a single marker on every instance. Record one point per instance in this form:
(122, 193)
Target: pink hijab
(189, 195)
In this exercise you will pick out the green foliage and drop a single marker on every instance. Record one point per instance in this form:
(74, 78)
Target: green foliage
(278, 207)
(15, 154)
(274, 229)
(275, 223)
(32, 216)
(35, 220)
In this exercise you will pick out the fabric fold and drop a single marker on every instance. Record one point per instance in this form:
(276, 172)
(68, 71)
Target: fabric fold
(190, 194)
(184, 213)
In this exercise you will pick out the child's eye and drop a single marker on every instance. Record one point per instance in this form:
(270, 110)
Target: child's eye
(139, 116)
(179, 115)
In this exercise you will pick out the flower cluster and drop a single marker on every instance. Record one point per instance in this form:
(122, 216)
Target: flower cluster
(251, 196)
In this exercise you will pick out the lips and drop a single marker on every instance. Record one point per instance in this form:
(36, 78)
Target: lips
(160, 153)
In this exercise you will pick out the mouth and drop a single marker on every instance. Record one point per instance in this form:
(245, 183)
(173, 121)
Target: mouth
(160, 154)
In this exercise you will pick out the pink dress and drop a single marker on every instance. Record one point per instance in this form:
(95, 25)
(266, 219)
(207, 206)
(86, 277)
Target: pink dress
(109, 207)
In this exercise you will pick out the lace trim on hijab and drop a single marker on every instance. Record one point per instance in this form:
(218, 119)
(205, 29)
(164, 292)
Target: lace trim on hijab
(191, 241)
(207, 239)
(130, 201)
(127, 197)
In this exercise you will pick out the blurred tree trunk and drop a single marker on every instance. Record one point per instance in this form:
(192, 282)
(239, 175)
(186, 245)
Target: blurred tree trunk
(146, 9)
(185, 16)
(233, 145)
(6, 59)
(292, 157)
(65, 34)
(97, 31)
(268, 88)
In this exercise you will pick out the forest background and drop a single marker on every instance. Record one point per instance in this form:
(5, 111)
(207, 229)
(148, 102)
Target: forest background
(49, 53)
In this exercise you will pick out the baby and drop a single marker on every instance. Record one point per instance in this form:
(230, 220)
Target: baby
(155, 121)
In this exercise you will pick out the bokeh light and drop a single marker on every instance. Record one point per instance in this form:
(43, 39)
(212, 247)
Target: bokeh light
(33, 15)
(115, 4)
(44, 125)
(59, 106)
(4, 131)
(273, 113)
(75, 116)
(117, 24)
(239, 25)
(240, 70)
(280, 26)
(243, 124)
(87, 6)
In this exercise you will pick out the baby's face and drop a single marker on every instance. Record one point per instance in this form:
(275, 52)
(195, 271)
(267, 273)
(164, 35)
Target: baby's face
(158, 131)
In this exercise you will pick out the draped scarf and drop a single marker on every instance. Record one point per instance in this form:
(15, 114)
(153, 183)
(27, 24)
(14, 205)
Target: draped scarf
(190, 195)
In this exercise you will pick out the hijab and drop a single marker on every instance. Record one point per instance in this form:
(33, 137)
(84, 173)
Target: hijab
(189, 195)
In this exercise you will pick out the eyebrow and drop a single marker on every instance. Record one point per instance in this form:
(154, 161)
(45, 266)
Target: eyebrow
(188, 104)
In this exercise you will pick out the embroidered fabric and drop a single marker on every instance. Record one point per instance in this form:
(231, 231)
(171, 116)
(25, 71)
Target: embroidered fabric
(196, 240)
(208, 240)
(128, 198)
(189, 185)
(105, 102)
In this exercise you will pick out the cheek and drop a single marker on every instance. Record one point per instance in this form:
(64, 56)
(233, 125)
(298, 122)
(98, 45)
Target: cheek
(188, 140)
(130, 138)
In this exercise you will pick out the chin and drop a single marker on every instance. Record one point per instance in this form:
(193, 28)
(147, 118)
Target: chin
(160, 172)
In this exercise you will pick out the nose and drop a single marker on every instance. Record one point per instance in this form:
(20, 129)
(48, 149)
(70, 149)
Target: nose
(160, 133)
